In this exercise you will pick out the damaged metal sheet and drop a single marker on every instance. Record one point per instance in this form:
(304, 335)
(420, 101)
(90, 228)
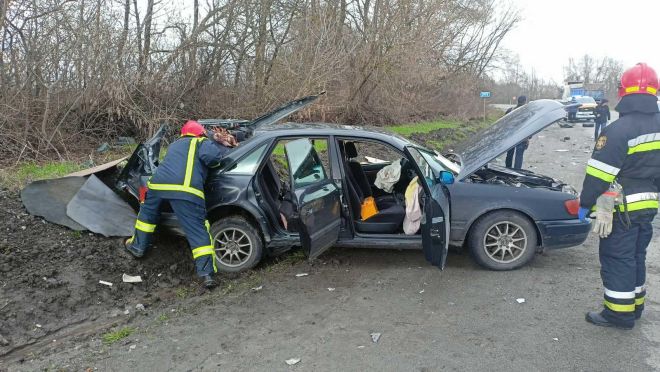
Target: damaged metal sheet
(98, 168)
(49, 199)
(100, 210)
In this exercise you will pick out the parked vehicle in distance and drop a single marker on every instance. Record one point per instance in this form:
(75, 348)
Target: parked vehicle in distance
(290, 185)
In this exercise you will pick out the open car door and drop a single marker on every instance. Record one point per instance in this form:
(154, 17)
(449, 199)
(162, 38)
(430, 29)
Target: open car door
(316, 197)
(435, 215)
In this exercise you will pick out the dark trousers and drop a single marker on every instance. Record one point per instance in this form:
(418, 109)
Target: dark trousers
(191, 217)
(598, 127)
(623, 269)
(517, 153)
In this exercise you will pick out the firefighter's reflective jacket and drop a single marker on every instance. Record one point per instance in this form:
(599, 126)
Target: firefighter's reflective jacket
(627, 150)
(182, 173)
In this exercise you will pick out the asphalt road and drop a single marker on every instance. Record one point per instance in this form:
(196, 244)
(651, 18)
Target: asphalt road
(463, 318)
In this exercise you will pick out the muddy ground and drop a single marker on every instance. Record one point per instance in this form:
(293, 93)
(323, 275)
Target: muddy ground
(462, 318)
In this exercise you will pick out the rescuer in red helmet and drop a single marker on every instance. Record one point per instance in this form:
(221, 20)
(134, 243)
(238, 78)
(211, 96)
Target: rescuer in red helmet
(179, 180)
(624, 173)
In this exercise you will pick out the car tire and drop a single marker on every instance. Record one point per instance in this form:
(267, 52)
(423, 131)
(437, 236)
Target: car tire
(242, 248)
(589, 124)
(486, 249)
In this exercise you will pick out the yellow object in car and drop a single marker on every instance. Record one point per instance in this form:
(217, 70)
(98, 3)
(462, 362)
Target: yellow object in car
(369, 208)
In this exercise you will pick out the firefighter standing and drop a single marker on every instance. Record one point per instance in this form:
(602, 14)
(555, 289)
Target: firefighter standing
(627, 152)
(179, 180)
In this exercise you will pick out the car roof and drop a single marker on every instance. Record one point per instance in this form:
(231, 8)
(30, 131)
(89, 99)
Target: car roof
(328, 129)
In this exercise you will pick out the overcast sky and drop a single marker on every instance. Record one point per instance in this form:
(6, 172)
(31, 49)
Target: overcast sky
(552, 31)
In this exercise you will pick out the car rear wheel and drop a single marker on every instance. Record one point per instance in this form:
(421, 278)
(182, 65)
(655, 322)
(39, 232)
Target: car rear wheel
(238, 245)
(503, 240)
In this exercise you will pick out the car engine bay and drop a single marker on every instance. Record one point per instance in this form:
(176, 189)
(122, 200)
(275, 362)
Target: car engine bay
(498, 175)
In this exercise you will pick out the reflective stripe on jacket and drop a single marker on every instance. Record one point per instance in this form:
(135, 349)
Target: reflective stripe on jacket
(183, 171)
(628, 150)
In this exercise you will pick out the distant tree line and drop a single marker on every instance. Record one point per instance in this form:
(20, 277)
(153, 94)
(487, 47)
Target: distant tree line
(76, 70)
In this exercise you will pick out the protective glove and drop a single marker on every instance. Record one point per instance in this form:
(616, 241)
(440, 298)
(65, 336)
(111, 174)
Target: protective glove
(583, 214)
(605, 211)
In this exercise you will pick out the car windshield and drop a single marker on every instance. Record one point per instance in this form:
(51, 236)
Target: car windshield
(437, 161)
(585, 100)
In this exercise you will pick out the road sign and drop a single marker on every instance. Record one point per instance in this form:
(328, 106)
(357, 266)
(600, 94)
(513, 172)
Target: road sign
(484, 95)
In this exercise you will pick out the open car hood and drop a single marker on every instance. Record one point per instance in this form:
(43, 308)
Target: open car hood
(506, 133)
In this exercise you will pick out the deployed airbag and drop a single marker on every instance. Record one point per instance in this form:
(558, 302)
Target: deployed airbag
(100, 210)
(49, 198)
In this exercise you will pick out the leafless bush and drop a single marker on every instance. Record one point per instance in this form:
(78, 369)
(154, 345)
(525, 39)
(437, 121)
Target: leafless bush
(91, 69)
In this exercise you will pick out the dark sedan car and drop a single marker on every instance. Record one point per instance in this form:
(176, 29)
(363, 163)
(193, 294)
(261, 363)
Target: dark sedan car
(305, 185)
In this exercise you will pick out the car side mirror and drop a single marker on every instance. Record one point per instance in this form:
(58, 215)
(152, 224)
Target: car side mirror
(446, 177)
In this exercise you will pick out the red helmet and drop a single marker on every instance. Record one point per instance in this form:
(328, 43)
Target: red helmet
(192, 128)
(639, 79)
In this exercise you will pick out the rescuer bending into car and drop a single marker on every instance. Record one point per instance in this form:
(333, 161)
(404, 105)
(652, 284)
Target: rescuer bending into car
(179, 180)
(623, 178)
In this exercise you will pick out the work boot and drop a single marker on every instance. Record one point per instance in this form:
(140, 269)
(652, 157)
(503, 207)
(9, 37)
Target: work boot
(132, 250)
(599, 320)
(209, 282)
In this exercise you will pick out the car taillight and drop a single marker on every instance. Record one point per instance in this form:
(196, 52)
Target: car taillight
(142, 193)
(572, 206)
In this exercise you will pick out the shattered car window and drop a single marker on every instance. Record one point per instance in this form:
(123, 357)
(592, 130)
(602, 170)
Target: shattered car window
(248, 164)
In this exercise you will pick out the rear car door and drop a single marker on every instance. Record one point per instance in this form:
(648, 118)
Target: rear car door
(316, 197)
(435, 219)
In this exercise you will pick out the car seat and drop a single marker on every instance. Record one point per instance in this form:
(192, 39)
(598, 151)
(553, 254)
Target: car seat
(390, 215)
(361, 180)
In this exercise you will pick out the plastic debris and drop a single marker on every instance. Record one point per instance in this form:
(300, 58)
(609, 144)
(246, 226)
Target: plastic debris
(520, 300)
(375, 337)
(258, 288)
(38, 325)
(361, 347)
(422, 291)
(301, 274)
(331, 289)
(140, 307)
(555, 339)
(126, 312)
(103, 148)
(292, 361)
(132, 347)
(105, 283)
(562, 150)
(131, 279)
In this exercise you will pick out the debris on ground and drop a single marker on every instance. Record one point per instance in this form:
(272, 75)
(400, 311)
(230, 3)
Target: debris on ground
(375, 337)
(292, 361)
(258, 288)
(562, 150)
(131, 279)
(555, 339)
(72, 263)
(105, 283)
(520, 300)
(301, 274)
(140, 307)
(331, 289)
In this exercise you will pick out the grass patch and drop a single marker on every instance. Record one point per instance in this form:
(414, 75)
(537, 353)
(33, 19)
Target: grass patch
(182, 292)
(17, 177)
(112, 337)
(423, 127)
(163, 318)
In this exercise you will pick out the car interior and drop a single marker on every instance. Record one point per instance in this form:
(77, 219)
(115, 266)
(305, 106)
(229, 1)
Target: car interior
(360, 175)
(360, 172)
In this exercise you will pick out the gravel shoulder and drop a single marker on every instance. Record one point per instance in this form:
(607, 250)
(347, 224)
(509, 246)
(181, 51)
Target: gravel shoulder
(462, 318)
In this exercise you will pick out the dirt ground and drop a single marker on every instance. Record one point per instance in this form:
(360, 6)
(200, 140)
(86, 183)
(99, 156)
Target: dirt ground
(462, 318)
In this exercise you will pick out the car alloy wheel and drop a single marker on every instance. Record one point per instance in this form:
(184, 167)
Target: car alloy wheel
(505, 242)
(233, 246)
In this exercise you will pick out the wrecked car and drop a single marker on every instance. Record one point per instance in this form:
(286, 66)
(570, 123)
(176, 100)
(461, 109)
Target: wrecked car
(290, 185)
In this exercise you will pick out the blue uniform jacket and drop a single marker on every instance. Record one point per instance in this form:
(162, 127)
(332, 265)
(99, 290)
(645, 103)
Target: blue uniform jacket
(183, 171)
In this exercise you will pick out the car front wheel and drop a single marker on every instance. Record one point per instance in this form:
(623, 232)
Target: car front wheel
(238, 245)
(503, 240)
